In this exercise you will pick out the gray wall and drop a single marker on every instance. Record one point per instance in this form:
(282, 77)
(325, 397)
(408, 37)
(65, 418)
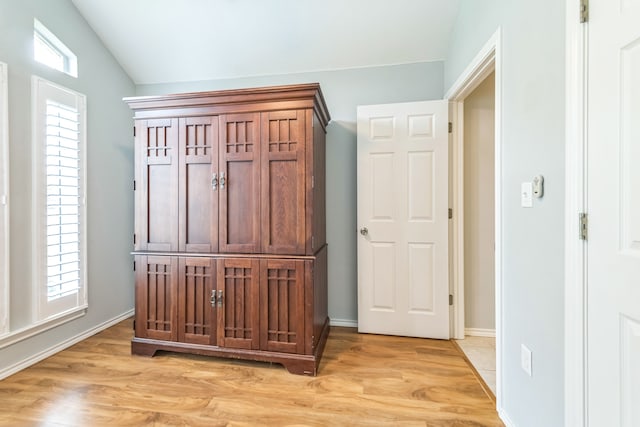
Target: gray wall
(343, 91)
(109, 167)
(533, 39)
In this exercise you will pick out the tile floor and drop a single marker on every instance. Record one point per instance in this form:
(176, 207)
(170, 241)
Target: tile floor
(481, 351)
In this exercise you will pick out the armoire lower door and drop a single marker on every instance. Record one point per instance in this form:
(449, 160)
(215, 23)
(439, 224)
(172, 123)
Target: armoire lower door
(238, 293)
(282, 326)
(156, 294)
(197, 301)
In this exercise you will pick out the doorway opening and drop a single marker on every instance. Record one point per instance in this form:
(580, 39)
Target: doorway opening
(478, 141)
(476, 200)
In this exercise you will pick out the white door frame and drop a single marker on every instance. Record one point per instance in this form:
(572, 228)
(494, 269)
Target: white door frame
(488, 59)
(575, 307)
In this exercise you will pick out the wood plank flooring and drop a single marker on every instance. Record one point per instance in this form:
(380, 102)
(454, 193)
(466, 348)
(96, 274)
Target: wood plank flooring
(364, 380)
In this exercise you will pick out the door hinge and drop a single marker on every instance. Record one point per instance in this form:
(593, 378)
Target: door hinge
(134, 185)
(450, 213)
(134, 266)
(584, 226)
(134, 131)
(584, 11)
(450, 299)
(134, 238)
(450, 127)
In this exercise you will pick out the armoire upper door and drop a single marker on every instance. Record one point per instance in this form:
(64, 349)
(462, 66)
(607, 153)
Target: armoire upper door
(199, 186)
(283, 144)
(239, 183)
(156, 227)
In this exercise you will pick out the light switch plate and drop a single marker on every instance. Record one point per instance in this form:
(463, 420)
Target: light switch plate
(526, 195)
(525, 359)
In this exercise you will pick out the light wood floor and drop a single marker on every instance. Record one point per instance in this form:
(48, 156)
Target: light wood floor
(364, 380)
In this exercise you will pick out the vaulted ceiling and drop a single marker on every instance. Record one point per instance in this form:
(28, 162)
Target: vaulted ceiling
(159, 41)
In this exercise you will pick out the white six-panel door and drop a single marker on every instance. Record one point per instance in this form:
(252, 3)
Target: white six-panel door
(403, 280)
(613, 186)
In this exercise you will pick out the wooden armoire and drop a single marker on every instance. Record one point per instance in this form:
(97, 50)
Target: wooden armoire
(230, 243)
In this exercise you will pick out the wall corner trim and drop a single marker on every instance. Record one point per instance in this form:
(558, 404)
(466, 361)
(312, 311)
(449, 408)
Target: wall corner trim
(480, 67)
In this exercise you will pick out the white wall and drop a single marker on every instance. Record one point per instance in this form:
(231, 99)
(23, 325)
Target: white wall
(479, 216)
(109, 168)
(343, 91)
(533, 239)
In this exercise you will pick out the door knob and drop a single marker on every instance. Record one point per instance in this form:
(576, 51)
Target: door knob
(364, 231)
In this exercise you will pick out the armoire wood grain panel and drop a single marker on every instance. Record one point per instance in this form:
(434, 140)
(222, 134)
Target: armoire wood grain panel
(157, 176)
(318, 297)
(198, 180)
(282, 305)
(316, 165)
(230, 245)
(239, 183)
(283, 145)
(238, 321)
(156, 294)
(196, 313)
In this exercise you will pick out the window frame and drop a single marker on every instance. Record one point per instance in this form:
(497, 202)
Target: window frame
(69, 59)
(4, 201)
(45, 310)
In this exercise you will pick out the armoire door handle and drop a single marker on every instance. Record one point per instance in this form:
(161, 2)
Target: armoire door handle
(214, 181)
(223, 180)
(213, 298)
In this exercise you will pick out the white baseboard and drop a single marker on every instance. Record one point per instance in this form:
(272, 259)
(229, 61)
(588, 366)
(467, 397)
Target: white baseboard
(505, 418)
(32, 360)
(478, 332)
(346, 323)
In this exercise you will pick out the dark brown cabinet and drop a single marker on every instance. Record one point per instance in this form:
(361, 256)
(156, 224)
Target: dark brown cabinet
(229, 241)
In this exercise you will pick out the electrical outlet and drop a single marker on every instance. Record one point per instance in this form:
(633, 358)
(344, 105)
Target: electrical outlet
(525, 359)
